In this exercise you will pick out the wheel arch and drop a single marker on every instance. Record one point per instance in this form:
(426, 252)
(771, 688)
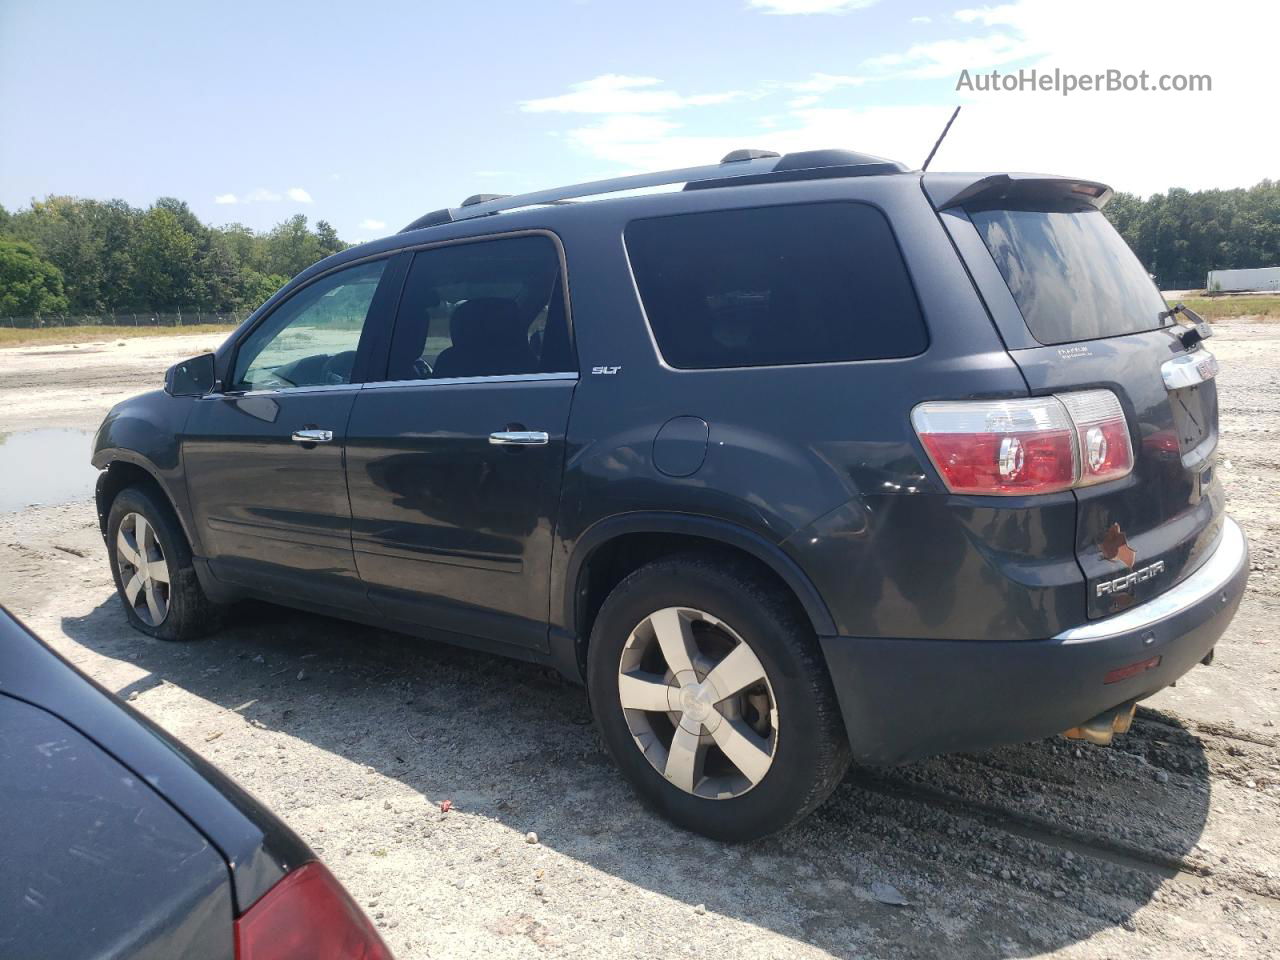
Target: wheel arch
(663, 534)
(121, 471)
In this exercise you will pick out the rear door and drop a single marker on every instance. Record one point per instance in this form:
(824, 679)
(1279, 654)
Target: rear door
(454, 458)
(1078, 311)
(264, 457)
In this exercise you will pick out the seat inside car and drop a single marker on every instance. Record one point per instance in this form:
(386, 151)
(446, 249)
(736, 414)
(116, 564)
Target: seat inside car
(487, 340)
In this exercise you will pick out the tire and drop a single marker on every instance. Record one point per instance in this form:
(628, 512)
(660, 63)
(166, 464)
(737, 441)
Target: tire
(186, 612)
(789, 716)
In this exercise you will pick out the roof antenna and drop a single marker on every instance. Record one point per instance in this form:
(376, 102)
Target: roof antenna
(955, 113)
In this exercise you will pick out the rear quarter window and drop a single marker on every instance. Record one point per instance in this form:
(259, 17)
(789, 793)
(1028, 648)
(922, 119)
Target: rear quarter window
(811, 283)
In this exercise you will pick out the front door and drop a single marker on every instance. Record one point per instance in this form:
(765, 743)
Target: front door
(454, 460)
(264, 457)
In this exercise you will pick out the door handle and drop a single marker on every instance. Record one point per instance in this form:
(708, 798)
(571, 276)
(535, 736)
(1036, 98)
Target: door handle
(312, 436)
(519, 438)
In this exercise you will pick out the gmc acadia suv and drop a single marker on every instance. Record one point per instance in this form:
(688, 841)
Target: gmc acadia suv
(816, 458)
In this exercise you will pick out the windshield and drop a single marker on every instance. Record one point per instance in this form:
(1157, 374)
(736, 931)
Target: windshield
(1072, 274)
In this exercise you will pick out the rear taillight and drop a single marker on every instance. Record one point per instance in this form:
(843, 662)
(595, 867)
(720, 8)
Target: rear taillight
(1017, 447)
(307, 916)
(1102, 435)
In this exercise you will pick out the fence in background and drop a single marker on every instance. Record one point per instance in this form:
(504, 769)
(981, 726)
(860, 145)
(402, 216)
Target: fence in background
(179, 318)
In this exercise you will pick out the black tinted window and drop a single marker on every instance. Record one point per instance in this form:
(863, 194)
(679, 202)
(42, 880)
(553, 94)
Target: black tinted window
(775, 285)
(493, 308)
(1072, 274)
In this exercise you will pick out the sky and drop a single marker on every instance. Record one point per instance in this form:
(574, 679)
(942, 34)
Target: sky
(368, 115)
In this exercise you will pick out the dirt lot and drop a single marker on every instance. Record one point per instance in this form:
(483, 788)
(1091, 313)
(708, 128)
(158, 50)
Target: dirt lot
(1164, 845)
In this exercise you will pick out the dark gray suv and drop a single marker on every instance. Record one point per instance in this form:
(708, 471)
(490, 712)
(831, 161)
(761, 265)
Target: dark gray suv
(808, 458)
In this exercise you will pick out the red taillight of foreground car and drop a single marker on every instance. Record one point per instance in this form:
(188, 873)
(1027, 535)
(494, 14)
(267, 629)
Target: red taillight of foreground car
(307, 916)
(1026, 446)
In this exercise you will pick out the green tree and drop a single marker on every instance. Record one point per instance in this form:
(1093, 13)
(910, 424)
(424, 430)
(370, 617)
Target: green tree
(291, 247)
(165, 258)
(29, 285)
(328, 237)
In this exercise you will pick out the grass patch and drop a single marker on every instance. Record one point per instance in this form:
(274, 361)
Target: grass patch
(11, 337)
(1229, 307)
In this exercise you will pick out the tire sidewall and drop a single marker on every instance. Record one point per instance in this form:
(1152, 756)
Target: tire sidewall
(771, 803)
(177, 557)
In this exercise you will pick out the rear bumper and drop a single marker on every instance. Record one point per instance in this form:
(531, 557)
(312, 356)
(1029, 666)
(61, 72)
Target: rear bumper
(905, 699)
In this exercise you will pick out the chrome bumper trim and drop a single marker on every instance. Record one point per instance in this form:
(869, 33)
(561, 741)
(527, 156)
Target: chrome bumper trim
(1212, 576)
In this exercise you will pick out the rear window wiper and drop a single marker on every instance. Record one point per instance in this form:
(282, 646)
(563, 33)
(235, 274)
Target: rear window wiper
(1198, 329)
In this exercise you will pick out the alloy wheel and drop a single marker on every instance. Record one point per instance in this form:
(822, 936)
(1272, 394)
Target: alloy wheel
(144, 572)
(698, 703)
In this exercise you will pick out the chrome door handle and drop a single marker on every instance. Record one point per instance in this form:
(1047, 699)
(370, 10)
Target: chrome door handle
(312, 436)
(521, 438)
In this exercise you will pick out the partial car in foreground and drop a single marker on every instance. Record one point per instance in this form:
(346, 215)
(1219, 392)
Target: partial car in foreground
(118, 843)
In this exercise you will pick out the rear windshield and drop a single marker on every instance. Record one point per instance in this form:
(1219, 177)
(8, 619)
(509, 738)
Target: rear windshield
(1072, 274)
(805, 283)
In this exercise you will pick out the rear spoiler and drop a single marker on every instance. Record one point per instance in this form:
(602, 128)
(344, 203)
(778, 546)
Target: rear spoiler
(1031, 190)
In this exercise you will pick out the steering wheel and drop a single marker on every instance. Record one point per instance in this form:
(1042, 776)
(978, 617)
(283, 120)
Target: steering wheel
(421, 369)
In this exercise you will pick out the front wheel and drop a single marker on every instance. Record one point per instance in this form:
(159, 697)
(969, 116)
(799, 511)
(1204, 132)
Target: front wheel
(151, 565)
(709, 690)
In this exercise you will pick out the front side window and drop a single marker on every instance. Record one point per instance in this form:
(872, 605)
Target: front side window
(310, 340)
(811, 283)
(485, 309)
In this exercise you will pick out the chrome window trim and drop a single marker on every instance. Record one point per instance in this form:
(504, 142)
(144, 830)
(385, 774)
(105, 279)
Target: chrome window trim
(1231, 553)
(458, 381)
(282, 391)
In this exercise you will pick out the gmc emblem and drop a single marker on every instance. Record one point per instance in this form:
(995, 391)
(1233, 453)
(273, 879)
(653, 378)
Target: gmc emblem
(1141, 575)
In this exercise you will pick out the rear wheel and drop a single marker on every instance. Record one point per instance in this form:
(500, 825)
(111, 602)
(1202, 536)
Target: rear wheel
(151, 564)
(711, 695)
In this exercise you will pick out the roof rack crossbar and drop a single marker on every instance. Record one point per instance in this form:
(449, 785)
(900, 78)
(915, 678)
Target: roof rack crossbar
(555, 195)
(750, 166)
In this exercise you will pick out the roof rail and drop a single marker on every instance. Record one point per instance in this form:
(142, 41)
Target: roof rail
(739, 167)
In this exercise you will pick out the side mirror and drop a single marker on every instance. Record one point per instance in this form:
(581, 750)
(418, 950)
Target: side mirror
(190, 378)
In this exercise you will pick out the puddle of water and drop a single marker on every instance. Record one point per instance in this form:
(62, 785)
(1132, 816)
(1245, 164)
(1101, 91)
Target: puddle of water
(45, 467)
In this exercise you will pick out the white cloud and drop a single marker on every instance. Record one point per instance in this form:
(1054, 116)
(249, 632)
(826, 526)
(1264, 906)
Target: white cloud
(371, 224)
(225, 198)
(946, 58)
(1130, 140)
(922, 19)
(826, 82)
(261, 195)
(298, 195)
(616, 93)
(791, 7)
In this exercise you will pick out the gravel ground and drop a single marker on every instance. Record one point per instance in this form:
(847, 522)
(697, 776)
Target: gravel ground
(1166, 844)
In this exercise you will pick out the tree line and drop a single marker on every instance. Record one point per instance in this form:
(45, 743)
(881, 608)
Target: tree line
(67, 255)
(1181, 235)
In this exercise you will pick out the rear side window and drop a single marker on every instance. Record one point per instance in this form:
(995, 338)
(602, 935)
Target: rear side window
(483, 309)
(1071, 273)
(811, 283)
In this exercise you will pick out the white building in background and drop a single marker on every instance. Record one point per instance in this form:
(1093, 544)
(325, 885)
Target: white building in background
(1263, 278)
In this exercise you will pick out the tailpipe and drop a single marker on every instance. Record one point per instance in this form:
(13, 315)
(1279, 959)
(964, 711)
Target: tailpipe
(1105, 725)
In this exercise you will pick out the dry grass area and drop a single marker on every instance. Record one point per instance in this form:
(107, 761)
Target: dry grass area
(1217, 309)
(23, 337)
